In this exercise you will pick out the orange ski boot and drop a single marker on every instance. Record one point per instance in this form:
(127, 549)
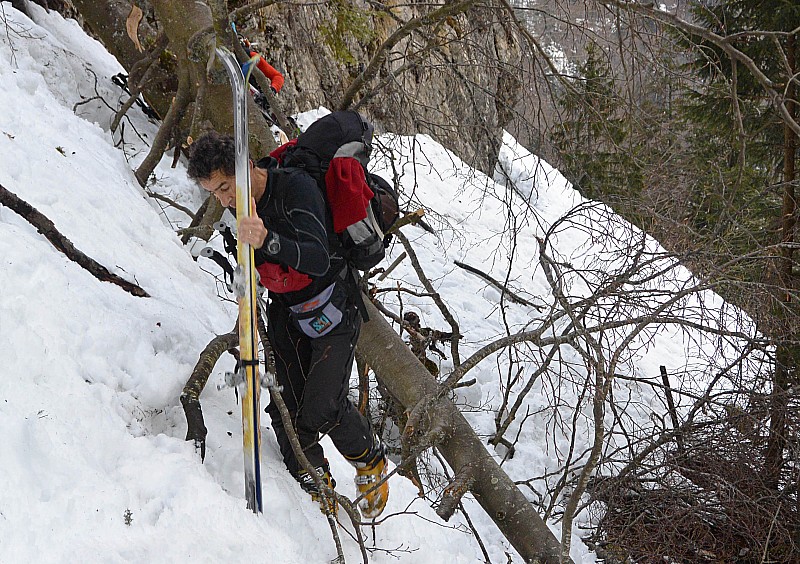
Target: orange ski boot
(370, 482)
(326, 504)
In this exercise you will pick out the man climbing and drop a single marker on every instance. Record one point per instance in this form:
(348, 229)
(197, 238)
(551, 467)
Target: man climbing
(273, 75)
(312, 320)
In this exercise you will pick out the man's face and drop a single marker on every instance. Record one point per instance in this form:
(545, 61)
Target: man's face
(222, 186)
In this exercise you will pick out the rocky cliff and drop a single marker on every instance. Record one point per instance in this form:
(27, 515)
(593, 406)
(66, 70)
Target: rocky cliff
(456, 80)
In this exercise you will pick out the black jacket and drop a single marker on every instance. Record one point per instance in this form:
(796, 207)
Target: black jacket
(293, 209)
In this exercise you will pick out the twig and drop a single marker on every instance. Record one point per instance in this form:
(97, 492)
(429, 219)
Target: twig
(177, 206)
(404, 290)
(436, 298)
(466, 383)
(408, 219)
(499, 285)
(392, 266)
(769, 533)
(208, 359)
(671, 405)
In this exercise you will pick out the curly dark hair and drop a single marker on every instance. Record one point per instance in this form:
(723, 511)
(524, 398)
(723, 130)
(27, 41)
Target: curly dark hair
(211, 152)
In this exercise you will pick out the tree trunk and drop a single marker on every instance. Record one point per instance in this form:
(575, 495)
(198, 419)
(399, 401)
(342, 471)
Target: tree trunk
(784, 354)
(407, 379)
(180, 20)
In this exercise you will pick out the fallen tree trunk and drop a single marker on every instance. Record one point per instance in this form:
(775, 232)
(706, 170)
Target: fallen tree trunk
(410, 383)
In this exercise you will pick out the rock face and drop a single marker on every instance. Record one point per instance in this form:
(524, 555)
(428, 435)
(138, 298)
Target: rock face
(457, 81)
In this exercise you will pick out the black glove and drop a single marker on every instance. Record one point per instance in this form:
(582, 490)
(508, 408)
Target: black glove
(261, 101)
(274, 91)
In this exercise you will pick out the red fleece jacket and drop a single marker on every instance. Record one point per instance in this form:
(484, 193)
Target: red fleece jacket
(275, 77)
(348, 192)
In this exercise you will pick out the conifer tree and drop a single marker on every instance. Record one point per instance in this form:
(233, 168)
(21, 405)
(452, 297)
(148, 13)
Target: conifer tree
(747, 203)
(594, 137)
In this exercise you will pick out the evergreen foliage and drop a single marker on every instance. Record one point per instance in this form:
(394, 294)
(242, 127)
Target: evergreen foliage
(595, 137)
(738, 142)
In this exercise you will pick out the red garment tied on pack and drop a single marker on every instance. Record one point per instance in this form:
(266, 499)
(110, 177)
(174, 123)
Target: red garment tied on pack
(281, 279)
(277, 154)
(348, 192)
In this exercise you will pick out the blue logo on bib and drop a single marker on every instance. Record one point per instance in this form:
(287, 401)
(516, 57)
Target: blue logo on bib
(320, 323)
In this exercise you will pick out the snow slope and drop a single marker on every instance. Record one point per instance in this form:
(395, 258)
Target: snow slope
(94, 465)
(89, 411)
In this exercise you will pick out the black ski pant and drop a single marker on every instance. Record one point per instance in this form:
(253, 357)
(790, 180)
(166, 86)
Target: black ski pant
(315, 374)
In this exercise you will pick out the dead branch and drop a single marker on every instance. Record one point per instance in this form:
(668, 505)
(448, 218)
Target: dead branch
(202, 225)
(46, 227)
(499, 285)
(377, 291)
(461, 507)
(190, 397)
(456, 332)
(208, 359)
(455, 490)
(392, 266)
(408, 219)
(169, 201)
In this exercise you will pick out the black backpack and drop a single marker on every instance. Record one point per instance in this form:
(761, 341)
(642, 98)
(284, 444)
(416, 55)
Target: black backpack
(347, 134)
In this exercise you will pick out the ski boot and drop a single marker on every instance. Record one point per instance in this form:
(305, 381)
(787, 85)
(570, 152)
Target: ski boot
(371, 469)
(326, 505)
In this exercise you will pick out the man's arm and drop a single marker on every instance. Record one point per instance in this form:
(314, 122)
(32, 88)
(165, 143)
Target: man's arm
(305, 248)
(274, 76)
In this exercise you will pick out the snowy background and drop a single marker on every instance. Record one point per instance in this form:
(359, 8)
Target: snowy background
(93, 462)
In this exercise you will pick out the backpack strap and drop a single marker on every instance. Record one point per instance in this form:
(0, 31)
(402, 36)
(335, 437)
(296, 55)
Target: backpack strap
(352, 281)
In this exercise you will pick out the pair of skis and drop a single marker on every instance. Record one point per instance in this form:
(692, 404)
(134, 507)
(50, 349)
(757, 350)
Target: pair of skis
(247, 380)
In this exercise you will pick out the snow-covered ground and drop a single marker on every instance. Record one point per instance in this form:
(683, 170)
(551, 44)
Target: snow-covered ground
(94, 466)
